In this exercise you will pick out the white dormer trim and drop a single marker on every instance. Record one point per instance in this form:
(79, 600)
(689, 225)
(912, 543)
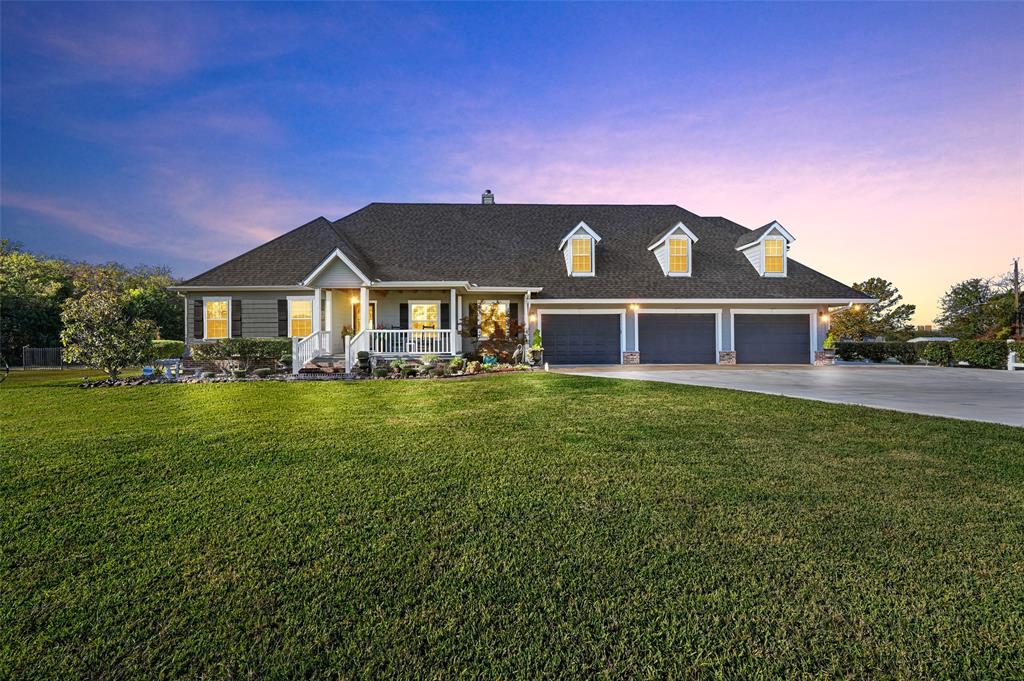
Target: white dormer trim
(585, 227)
(336, 254)
(661, 249)
(582, 229)
(671, 232)
(754, 251)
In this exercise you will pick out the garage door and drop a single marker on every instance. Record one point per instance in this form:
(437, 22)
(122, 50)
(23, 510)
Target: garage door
(677, 338)
(772, 338)
(581, 338)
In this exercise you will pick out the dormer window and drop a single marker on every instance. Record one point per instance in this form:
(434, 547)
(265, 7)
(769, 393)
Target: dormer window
(673, 250)
(767, 249)
(581, 261)
(579, 248)
(774, 256)
(678, 255)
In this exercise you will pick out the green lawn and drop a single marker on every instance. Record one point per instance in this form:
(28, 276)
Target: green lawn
(517, 525)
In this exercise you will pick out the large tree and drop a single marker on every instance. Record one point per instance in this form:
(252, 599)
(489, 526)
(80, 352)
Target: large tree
(976, 308)
(100, 331)
(888, 317)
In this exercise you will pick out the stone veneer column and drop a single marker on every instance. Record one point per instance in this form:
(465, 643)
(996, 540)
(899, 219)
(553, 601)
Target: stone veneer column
(631, 357)
(727, 357)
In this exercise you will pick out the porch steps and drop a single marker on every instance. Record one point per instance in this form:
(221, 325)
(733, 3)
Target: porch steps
(325, 364)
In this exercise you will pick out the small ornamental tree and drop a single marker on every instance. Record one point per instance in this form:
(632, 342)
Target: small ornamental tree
(99, 332)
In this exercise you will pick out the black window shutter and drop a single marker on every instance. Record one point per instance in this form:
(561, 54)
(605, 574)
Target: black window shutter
(403, 315)
(513, 317)
(282, 317)
(197, 318)
(446, 316)
(474, 321)
(236, 318)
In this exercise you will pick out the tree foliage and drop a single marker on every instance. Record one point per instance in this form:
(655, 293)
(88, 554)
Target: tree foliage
(890, 316)
(34, 288)
(101, 332)
(977, 308)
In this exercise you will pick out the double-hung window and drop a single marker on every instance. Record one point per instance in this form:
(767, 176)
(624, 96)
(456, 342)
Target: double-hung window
(774, 256)
(300, 317)
(582, 263)
(217, 312)
(424, 316)
(678, 255)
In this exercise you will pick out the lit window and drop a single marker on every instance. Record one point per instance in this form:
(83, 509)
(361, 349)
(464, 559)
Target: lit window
(300, 317)
(678, 255)
(581, 255)
(357, 318)
(773, 255)
(493, 318)
(423, 316)
(217, 318)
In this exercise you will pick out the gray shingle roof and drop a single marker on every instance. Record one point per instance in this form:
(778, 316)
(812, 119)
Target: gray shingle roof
(753, 235)
(517, 245)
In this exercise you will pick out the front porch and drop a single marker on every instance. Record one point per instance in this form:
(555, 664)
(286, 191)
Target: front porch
(392, 322)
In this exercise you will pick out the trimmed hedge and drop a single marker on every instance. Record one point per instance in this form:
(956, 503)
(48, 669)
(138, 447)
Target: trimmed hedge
(166, 349)
(937, 352)
(989, 354)
(251, 348)
(905, 353)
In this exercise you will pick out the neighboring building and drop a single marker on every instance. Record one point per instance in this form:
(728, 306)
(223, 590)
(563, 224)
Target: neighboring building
(923, 327)
(604, 284)
(930, 339)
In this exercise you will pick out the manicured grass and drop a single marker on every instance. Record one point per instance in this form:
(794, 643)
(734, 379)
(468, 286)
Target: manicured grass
(517, 525)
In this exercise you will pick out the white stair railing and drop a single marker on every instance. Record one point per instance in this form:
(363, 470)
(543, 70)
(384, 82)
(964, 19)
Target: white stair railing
(308, 348)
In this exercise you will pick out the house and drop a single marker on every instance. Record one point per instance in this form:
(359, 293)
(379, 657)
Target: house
(604, 284)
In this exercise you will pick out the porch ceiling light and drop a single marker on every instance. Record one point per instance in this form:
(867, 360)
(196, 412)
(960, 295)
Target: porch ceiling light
(354, 299)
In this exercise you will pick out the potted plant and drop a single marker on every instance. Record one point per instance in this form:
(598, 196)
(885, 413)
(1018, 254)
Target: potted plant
(536, 351)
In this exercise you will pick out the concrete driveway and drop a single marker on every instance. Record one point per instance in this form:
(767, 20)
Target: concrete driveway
(974, 394)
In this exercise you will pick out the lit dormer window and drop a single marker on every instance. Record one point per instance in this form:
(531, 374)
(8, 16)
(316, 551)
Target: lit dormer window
(766, 249)
(774, 256)
(578, 247)
(581, 262)
(678, 255)
(672, 249)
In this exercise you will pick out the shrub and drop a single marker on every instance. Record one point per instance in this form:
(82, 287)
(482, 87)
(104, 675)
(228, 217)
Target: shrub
(362, 354)
(262, 373)
(396, 365)
(209, 374)
(456, 364)
(286, 359)
(937, 352)
(381, 372)
(905, 353)
(430, 359)
(243, 352)
(438, 371)
(100, 332)
(536, 344)
(166, 349)
(410, 370)
(473, 367)
(989, 354)
(238, 373)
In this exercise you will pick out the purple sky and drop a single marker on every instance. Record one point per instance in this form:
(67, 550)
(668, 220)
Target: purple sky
(888, 138)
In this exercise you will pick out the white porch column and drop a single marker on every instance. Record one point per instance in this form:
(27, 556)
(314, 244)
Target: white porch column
(364, 308)
(457, 338)
(453, 316)
(316, 309)
(526, 319)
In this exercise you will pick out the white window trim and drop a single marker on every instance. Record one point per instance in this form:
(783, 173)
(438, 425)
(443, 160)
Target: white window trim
(812, 314)
(689, 256)
(206, 317)
(436, 303)
(355, 320)
(313, 310)
(715, 311)
(479, 318)
(566, 242)
(619, 311)
(764, 256)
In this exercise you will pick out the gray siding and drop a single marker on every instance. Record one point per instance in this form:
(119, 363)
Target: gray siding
(259, 311)
(337, 275)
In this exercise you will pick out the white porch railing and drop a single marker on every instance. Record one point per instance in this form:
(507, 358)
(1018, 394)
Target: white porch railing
(409, 342)
(306, 349)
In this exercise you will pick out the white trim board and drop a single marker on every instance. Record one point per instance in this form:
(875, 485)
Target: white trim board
(572, 232)
(715, 311)
(313, 311)
(678, 226)
(813, 323)
(619, 311)
(340, 256)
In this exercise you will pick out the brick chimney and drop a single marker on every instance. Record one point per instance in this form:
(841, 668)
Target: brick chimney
(487, 197)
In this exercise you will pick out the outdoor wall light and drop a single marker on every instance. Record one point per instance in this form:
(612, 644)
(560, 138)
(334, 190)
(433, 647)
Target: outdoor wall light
(354, 299)
(824, 317)
(634, 307)
(533, 318)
